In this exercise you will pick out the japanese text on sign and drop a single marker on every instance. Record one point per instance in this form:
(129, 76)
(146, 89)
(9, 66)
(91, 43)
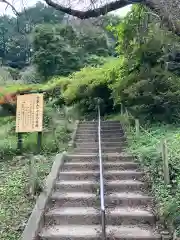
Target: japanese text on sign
(29, 113)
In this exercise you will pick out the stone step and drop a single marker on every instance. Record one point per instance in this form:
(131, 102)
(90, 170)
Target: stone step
(77, 186)
(85, 150)
(112, 139)
(129, 215)
(114, 144)
(122, 175)
(124, 185)
(103, 131)
(90, 215)
(118, 140)
(93, 232)
(128, 199)
(111, 148)
(118, 157)
(89, 135)
(103, 128)
(87, 145)
(94, 175)
(93, 186)
(111, 130)
(86, 137)
(70, 232)
(111, 157)
(87, 130)
(87, 199)
(103, 144)
(82, 158)
(68, 166)
(85, 140)
(131, 233)
(95, 165)
(111, 135)
(113, 122)
(79, 175)
(73, 215)
(74, 199)
(81, 150)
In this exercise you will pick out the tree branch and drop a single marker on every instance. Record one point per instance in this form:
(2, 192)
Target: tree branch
(168, 10)
(11, 6)
(96, 12)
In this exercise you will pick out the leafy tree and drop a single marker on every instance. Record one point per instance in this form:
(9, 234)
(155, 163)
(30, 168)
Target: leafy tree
(79, 39)
(15, 33)
(52, 54)
(145, 84)
(62, 49)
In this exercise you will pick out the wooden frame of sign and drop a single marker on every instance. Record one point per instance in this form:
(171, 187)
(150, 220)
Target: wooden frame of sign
(29, 116)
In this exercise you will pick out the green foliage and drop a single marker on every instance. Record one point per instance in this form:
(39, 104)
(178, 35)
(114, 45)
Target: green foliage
(94, 60)
(76, 41)
(15, 74)
(16, 203)
(61, 49)
(8, 142)
(52, 54)
(5, 76)
(148, 147)
(29, 75)
(144, 84)
(141, 79)
(88, 85)
(15, 33)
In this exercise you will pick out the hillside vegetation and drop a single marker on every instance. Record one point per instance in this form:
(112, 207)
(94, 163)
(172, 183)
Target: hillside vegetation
(132, 62)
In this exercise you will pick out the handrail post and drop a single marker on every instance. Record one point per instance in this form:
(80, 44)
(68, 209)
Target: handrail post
(165, 161)
(103, 215)
(137, 127)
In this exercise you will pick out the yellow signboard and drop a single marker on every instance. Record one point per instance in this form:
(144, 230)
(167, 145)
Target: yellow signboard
(29, 113)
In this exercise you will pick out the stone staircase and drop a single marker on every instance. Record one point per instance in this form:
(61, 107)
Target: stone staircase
(73, 211)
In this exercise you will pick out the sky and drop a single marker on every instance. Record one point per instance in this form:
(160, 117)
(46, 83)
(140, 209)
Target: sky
(19, 4)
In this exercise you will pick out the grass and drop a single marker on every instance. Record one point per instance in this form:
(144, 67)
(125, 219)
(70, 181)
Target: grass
(15, 202)
(148, 147)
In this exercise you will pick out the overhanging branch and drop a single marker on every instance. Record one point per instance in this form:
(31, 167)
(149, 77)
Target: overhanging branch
(11, 6)
(161, 8)
(96, 12)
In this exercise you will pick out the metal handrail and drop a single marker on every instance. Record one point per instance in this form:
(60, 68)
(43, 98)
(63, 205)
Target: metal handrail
(103, 217)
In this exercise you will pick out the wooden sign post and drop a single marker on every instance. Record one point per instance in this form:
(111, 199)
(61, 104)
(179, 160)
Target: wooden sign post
(29, 116)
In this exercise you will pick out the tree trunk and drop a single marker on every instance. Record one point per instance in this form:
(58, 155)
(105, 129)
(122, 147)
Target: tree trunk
(169, 11)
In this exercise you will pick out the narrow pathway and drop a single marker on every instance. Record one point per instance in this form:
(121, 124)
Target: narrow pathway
(73, 211)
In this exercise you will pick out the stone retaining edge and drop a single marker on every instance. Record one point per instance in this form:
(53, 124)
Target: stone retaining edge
(35, 220)
(72, 142)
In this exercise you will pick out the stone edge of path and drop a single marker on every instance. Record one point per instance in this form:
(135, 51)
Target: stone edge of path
(35, 220)
(32, 228)
(72, 142)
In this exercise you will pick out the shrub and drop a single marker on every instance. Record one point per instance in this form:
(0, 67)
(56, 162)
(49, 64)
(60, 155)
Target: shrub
(89, 84)
(15, 74)
(153, 95)
(5, 76)
(29, 75)
(148, 147)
